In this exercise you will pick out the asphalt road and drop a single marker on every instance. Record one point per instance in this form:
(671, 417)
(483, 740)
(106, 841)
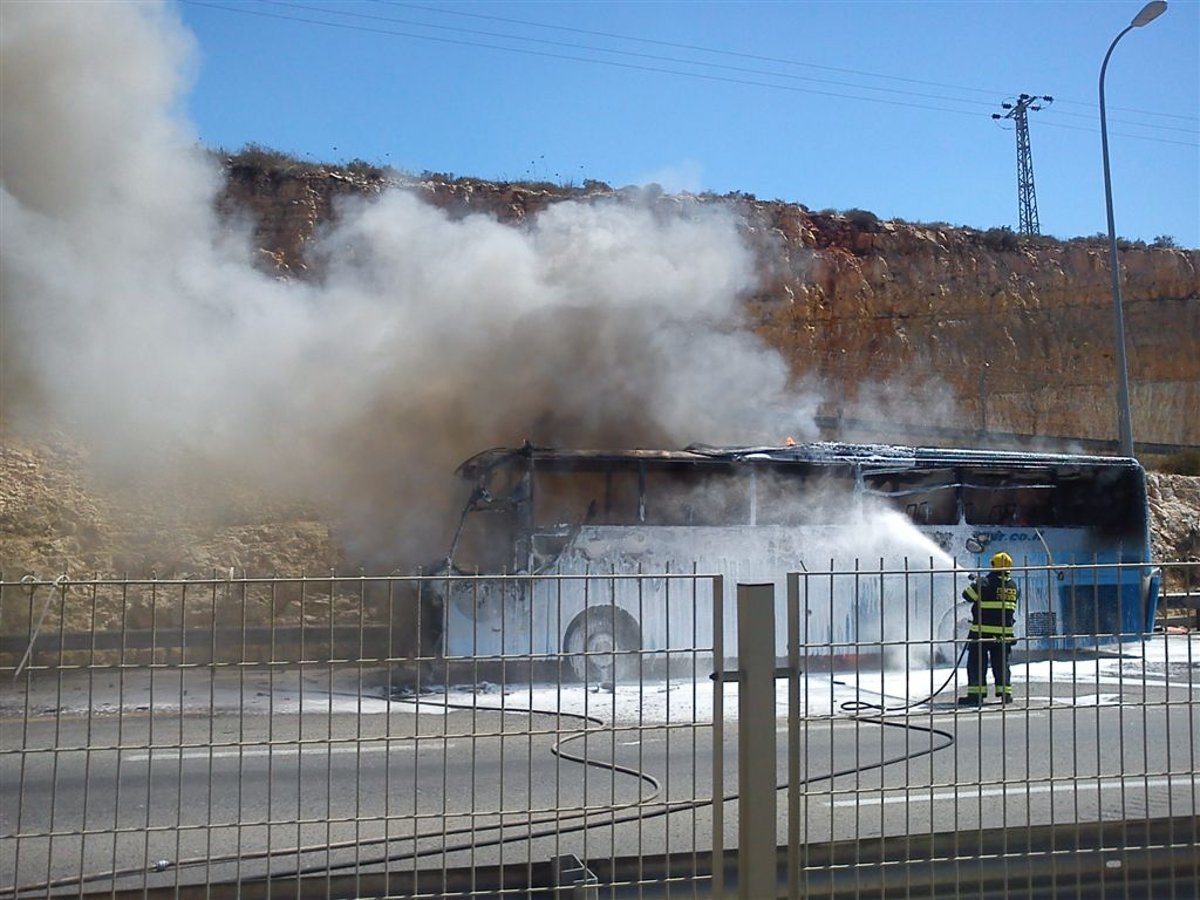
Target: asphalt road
(227, 795)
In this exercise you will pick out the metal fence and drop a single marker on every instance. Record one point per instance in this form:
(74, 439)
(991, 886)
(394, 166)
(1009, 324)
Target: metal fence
(585, 736)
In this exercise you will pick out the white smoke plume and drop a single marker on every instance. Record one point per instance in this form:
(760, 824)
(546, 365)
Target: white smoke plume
(132, 313)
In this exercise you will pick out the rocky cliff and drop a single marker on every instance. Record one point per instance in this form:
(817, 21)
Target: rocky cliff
(899, 324)
(983, 330)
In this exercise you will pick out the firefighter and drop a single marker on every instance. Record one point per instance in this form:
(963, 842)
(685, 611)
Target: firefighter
(993, 610)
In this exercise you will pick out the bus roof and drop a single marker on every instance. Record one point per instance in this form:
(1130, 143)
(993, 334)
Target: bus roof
(869, 456)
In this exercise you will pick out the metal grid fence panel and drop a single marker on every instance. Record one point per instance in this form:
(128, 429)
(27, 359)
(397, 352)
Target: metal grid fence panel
(337, 735)
(579, 735)
(1084, 785)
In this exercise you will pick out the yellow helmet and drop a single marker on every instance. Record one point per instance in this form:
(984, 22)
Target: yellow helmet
(1002, 561)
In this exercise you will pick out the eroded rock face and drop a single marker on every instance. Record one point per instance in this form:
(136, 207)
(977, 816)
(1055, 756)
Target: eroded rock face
(1018, 331)
(58, 516)
(1021, 331)
(1175, 511)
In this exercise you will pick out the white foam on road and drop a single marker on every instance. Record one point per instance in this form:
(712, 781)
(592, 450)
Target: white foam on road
(1160, 660)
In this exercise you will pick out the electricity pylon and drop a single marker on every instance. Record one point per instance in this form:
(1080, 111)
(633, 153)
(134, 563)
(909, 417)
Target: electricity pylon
(1026, 196)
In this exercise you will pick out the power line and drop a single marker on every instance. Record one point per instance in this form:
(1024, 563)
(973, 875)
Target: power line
(1135, 137)
(1140, 112)
(677, 46)
(615, 52)
(602, 62)
(242, 9)
(760, 58)
(1094, 117)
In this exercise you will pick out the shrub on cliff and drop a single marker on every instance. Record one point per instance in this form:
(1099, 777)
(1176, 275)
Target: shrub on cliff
(264, 159)
(1100, 239)
(862, 219)
(364, 169)
(1001, 239)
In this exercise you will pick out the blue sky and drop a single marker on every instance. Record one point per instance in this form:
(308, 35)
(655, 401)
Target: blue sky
(884, 106)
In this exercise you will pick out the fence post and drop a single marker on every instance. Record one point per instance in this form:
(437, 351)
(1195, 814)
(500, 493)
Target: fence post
(793, 746)
(718, 748)
(756, 741)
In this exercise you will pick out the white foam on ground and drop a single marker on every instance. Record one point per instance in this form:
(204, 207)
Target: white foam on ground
(1155, 662)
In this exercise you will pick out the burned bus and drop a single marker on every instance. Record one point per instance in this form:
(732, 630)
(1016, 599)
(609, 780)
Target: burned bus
(885, 538)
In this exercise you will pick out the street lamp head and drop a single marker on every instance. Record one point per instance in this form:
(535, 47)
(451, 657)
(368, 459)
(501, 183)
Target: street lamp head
(1149, 13)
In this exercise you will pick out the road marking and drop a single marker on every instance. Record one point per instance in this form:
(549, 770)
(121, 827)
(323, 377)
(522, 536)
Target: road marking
(286, 750)
(1018, 790)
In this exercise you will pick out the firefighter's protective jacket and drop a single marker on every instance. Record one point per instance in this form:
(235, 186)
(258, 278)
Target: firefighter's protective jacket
(993, 606)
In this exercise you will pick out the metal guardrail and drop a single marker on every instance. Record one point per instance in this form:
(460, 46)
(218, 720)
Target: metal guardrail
(1187, 601)
(1180, 600)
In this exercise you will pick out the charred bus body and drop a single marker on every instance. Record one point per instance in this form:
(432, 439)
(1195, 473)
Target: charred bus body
(917, 519)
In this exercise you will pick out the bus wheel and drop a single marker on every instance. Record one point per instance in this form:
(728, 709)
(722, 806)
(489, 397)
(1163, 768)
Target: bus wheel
(601, 645)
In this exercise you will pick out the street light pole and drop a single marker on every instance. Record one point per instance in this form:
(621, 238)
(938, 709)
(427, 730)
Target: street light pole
(1149, 13)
